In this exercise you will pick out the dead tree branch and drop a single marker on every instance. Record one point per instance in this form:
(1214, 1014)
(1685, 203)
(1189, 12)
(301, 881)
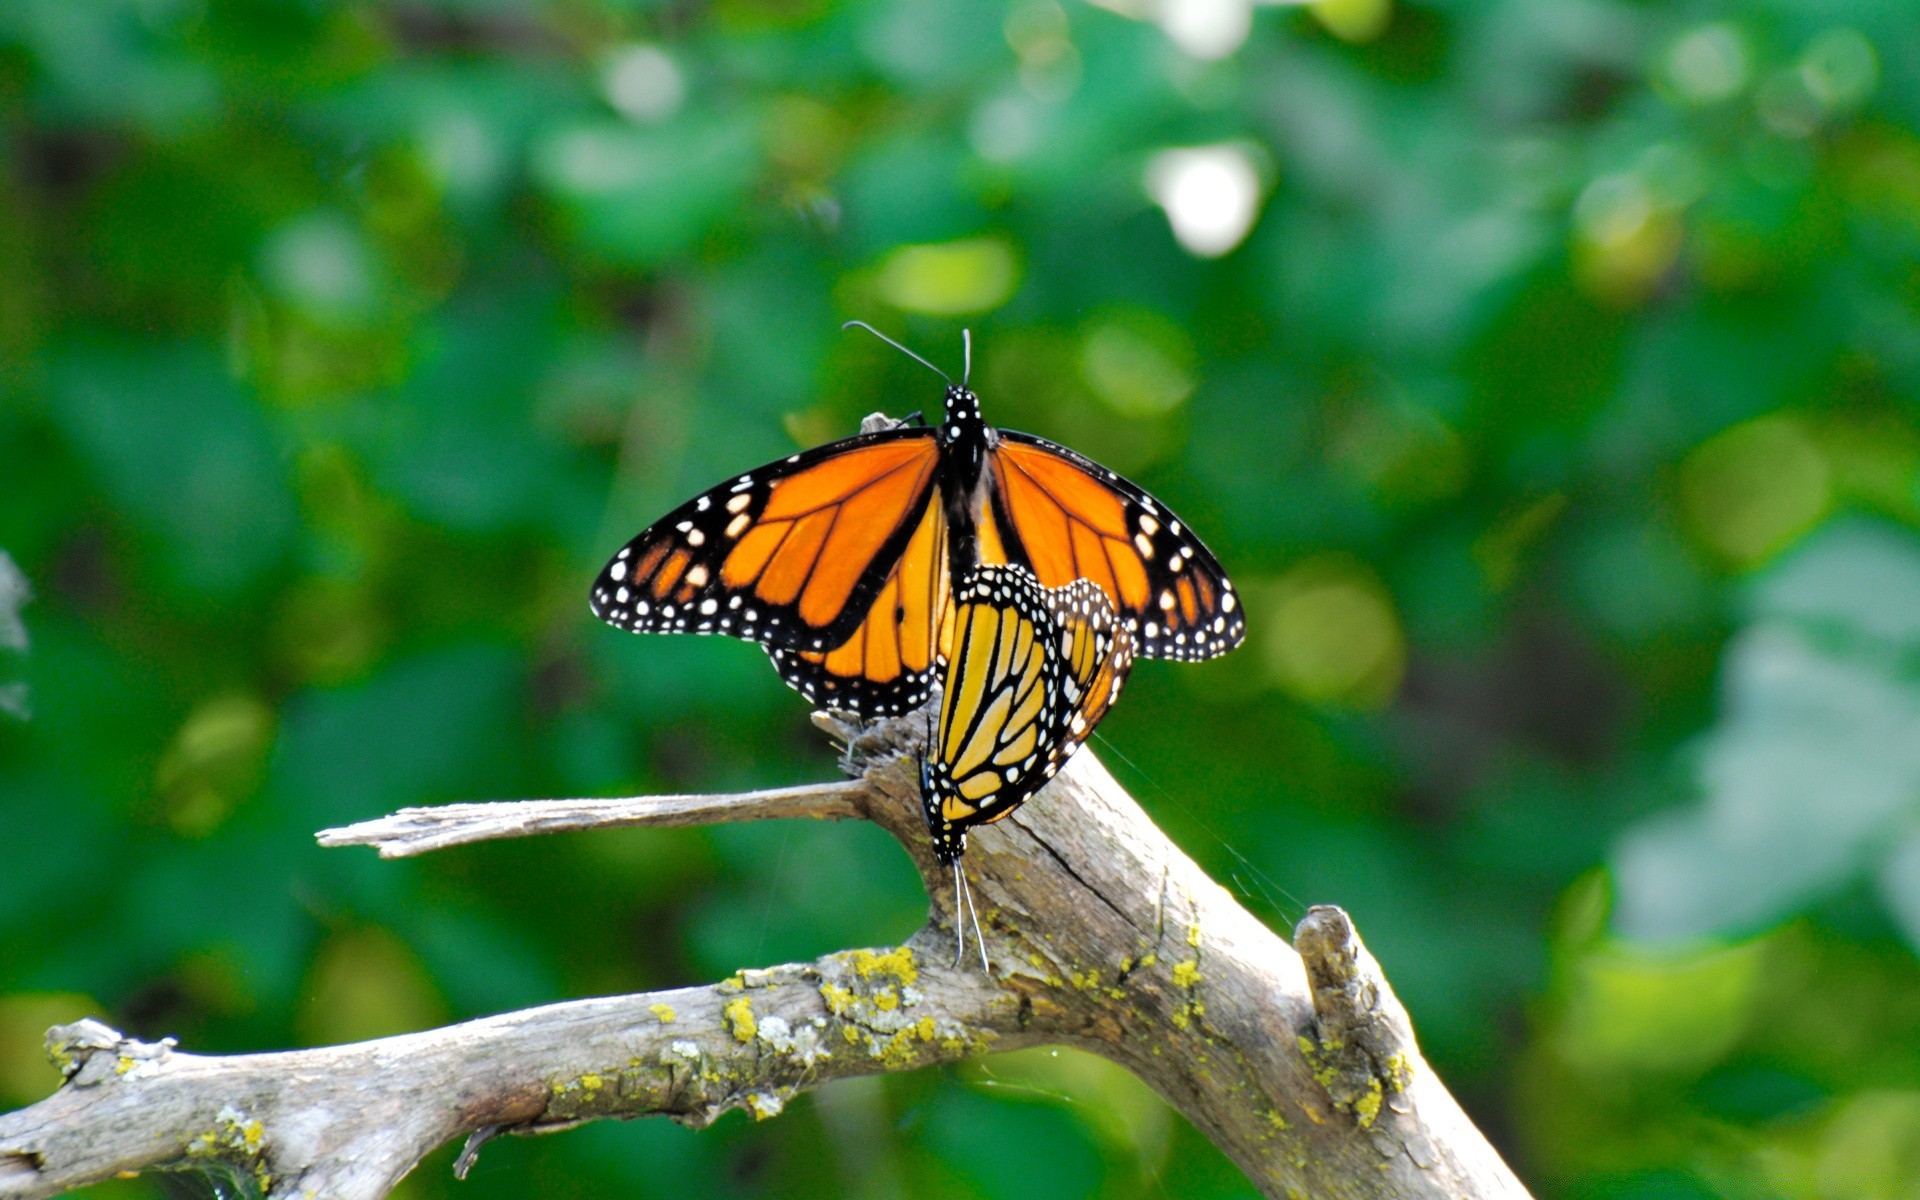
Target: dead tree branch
(1297, 1061)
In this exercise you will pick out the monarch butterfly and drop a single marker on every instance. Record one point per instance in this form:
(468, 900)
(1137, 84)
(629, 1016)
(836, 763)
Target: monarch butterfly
(839, 560)
(1032, 671)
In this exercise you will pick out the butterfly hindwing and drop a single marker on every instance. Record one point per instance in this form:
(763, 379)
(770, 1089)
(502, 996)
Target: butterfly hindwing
(1030, 670)
(1096, 655)
(790, 555)
(1071, 518)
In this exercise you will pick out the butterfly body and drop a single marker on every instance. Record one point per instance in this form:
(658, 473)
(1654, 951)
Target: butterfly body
(841, 560)
(966, 445)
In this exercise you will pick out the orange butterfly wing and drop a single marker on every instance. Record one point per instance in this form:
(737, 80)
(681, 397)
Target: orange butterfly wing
(790, 555)
(886, 666)
(1071, 518)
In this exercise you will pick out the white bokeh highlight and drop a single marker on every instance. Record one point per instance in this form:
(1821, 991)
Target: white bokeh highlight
(1205, 29)
(643, 83)
(1211, 195)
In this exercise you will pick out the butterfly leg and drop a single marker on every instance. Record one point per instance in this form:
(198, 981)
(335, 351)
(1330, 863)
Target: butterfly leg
(979, 939)
(959, 916)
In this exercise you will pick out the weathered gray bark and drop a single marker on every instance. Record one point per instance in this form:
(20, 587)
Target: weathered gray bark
(1296, 1061)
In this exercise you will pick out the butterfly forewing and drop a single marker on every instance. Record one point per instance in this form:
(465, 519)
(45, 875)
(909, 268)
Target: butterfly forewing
(790, 555)
(886, 665)
(1071, 518)
(842, 560)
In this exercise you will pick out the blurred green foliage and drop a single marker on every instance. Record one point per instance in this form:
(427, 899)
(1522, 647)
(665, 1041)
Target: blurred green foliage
(1548, 374)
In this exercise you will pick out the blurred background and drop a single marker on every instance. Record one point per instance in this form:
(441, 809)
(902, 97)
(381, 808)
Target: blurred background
(1547, 374)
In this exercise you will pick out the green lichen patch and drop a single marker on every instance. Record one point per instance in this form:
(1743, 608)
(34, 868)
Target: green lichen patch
(1042, 969)
(739, 1015)
(638, 1086)
(803, 1044)
(1367, 1106)
(236, 1141)
(1186, 975)
(1399, 1075)
(871, 994)
(896, 964)
(764, 1104)
(840, 1001)
(664, 1012)
(1353, 1079)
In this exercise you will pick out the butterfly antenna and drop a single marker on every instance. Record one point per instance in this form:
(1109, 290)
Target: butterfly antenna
(979, 939)
(902, 349)
(966, 361)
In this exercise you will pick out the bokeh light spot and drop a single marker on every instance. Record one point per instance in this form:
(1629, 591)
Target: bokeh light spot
(1122, 1111)
(1333, 637)
(1404, 453)
(1211, 195)
(461, 153)
(1749, 492)
(1644, 1011)
(25, 1017)
(950, 279)
(366, 983)
(643, 83)
(1205, 29)
(1623, 241)
(1708, 64)
(1140, 367)
(1840, 69)
(214, 762)
(321, 267)
(590, 161)
(1353, 20)
(1005, 128)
